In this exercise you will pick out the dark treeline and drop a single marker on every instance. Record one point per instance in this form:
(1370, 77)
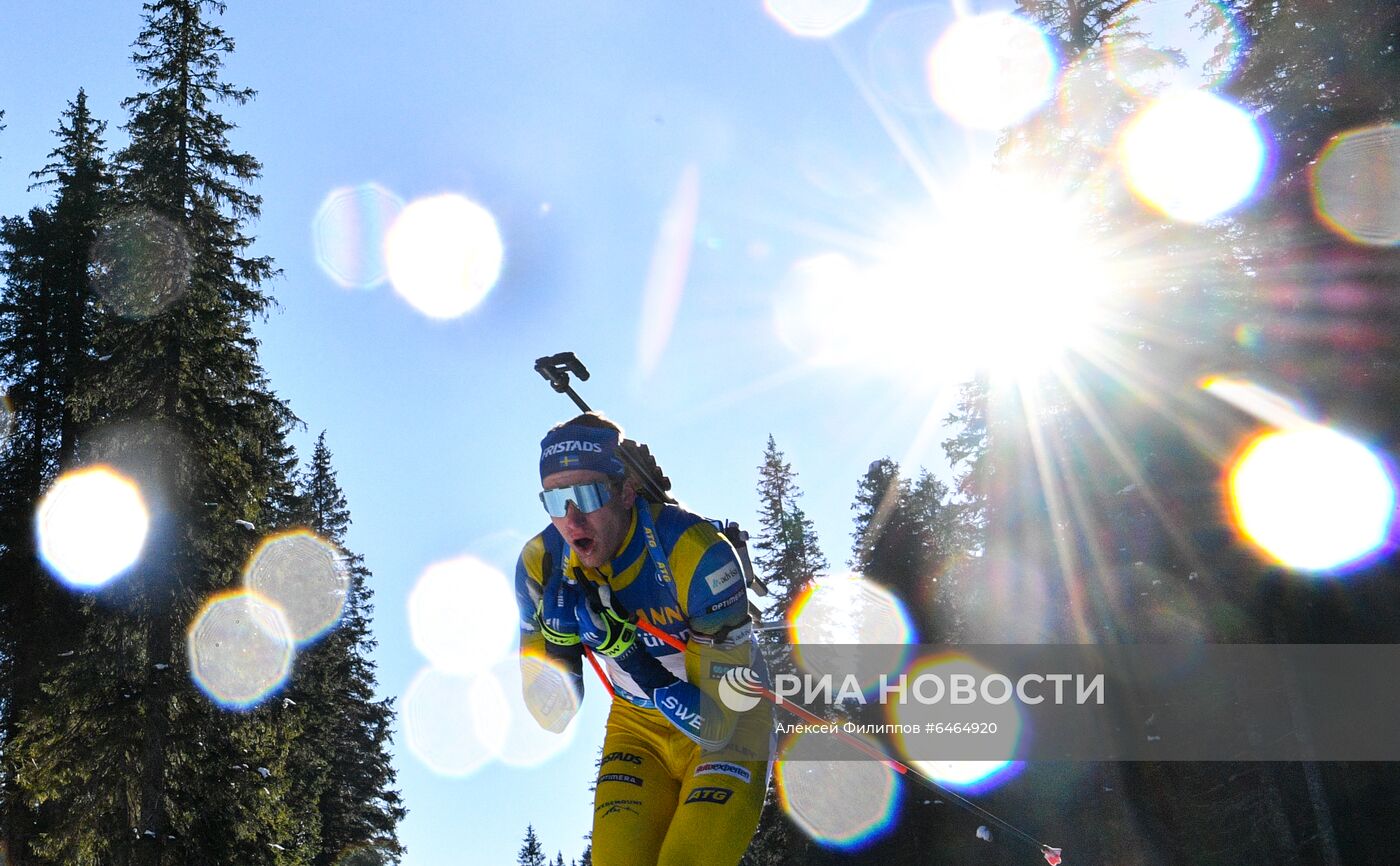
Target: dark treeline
(532, 853)
(1092, 508)
(125, 339)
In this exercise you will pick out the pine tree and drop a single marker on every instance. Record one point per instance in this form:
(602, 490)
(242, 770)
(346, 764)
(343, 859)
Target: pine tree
(901, 537)
(46, 323)
(789, 554)
(531, 853)
(347, 736)
(178, 402)
(183, 364)
(942, 606)
(80, 175)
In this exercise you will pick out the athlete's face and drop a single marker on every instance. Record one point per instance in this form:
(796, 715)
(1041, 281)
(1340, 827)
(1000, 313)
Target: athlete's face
(596, 536)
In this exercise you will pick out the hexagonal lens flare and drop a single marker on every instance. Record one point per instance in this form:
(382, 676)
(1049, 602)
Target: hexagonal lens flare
(1356, 185)
(1313, 499)
(843, 803)
(990, 71)
(454, 724)
(240, 649)
(141, 263)
(305, 576)
(91, 526)
(348, 233)
(1191, 155)
(444, 254)
(459, 591)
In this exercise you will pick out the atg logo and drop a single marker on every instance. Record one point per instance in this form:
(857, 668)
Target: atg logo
(710, 795)
(740, 689)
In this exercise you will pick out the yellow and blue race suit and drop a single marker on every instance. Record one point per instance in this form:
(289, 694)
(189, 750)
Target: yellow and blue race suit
(660, 798)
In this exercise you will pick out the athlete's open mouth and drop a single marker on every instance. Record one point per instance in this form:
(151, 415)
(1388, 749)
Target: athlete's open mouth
(582, 545)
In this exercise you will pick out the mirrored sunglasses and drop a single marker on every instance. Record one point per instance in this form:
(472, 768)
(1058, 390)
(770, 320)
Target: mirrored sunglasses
(585, 497)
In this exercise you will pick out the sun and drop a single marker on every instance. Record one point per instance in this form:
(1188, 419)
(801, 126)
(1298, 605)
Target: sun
(999, 275)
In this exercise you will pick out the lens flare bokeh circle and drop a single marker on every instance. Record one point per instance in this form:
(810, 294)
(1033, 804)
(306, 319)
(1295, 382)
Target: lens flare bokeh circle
(1313, 499)
(454, 724)
(462, 615)
(444, 254)
(348, 234)
(815, 19)
(1156, 45)
(240, 649)
(848, 609)
(548, 691)
(535, 687)
(820, 313)
(897, 55)
(991, 71)
(91, 526)
(305, 576)
(140, 263)
(1191, 155)
(847, 625)
(843, 802)
(1356, 185)
(963, 773)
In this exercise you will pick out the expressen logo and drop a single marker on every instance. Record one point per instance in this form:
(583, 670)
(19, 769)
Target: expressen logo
(740, 689)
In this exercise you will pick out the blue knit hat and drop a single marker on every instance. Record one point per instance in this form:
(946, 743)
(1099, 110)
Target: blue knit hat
(574, 446)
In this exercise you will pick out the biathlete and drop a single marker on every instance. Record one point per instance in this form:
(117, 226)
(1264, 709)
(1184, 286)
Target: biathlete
(683, 775)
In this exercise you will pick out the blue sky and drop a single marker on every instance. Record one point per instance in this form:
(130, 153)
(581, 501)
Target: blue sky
(575, 124)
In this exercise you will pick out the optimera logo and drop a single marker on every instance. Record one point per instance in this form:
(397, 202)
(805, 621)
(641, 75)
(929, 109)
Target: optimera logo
(740, 689)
